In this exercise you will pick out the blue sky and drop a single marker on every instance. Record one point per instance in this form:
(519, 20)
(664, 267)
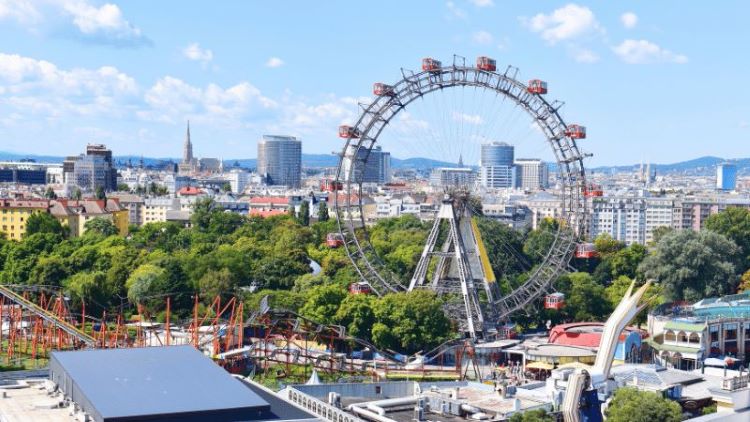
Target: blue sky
(655, 81)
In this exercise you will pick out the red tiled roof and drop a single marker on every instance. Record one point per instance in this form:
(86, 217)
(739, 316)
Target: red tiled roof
(588, 334)
(274, 200)
(190, 190)
(266, 213)
(24, 203)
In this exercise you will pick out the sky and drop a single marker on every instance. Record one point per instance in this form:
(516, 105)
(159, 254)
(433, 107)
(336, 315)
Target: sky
(652, 81)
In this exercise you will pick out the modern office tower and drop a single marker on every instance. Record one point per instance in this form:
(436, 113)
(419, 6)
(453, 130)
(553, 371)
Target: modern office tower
(452, 177)
(93, 170)
(280, 160)
(531, 174)
(376, 168)
(726, 176)
(496, 165)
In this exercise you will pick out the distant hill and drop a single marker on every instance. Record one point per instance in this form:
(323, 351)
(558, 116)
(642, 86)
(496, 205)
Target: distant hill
(698, 166)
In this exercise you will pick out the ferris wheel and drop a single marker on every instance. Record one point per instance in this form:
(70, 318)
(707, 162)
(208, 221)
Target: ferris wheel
(460, 116)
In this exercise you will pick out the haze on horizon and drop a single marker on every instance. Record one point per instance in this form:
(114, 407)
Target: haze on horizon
(650, 81)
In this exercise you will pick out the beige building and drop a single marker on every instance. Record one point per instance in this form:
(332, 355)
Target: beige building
(76, 213)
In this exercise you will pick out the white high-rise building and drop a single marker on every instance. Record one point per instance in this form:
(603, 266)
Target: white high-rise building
(531, 174)
(280, 160)
(496, 165)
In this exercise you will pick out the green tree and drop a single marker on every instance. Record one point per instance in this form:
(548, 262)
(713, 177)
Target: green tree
(226, 187)
(615, 292)
(91, 288)
(323, 211)
(693, 265)
(585, 299)
(123, 187)
(734, 223)
(77, 194)
(218, 283)
(631, 405)
(625, 261)
(605, 245)
(277, 299)
(744, 282)
(410, 321)
(504, 249)
(100, 226)
(49, 271)
(304, 213)
(539, 241)
(660, 232)
(203, 210)
(100, 194)
(50, 193)
(322, 303)
(143, 284)
(357, 315)
(42, 222)
(537, 415)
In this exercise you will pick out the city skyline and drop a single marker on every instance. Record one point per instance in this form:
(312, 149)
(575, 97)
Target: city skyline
(74, 72)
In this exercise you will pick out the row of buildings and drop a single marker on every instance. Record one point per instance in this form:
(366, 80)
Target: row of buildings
(73, 214)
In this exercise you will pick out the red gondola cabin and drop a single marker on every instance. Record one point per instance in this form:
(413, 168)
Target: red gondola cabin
(592, 191)
(576, 132)
(486, 63)
(537, 86)
(554, 301)
(360, 288)
(585, 251)
(328, 185)
(334, 240)
(431, 65)
(382, 89)
(348, 132)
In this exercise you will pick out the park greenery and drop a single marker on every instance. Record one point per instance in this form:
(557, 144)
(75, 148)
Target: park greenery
(229, 255)
(631, 405)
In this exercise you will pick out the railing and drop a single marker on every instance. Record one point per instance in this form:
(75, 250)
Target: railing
(735, 383)
(47, 316)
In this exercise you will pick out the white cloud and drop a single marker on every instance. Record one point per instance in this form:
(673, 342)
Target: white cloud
(170, 99)
(584, 55)
(454, 11)
(39, 87)
(196, 53)
(482, 3)
(482, 37)
(629, 20)
(472, 119)
(274, 62)
(643, 52)
(21, 11)
(566, 23)
(103, 24)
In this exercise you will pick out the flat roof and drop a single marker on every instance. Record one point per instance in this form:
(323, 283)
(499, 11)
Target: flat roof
(121, 383)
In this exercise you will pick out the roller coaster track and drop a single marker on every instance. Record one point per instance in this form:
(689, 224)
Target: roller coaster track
(48, 317)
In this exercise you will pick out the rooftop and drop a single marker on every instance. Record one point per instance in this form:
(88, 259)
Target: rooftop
(131, 383)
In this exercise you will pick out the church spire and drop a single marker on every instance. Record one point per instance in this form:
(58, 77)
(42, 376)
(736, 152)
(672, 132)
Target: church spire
(460, 160)
(187, 153)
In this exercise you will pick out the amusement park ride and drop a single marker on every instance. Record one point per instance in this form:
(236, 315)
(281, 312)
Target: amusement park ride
(453, 261)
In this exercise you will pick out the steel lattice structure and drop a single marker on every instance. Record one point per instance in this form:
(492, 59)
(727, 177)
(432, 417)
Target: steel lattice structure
(376, 115)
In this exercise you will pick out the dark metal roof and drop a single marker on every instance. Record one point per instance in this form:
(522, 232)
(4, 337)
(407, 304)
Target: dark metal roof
(154, 381)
